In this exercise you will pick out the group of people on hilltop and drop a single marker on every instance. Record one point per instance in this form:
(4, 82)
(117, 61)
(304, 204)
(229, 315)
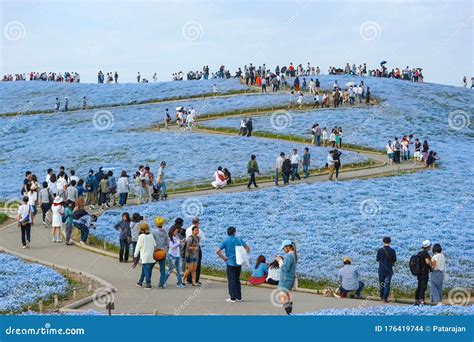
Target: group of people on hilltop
(69, 77)
(400, 149)
(109, 78)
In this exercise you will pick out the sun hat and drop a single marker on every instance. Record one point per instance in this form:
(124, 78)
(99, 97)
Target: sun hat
(346, 259)
(426, 243)
(285, 243)
(159, 221)
(57, 200)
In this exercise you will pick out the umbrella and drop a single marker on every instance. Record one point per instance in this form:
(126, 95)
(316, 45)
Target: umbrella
(383, 62)
(350, 84)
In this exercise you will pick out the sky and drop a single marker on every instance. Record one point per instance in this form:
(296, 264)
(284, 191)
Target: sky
(170, 36)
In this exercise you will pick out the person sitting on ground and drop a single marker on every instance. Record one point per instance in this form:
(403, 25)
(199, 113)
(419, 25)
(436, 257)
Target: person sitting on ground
(349, 278)
(273, 277)
(260, 272)
(228, 176)
(432, 158)
(220, 180)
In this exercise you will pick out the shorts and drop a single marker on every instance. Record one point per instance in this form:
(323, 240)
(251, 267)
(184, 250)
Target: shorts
(390, 155)
(191, 260)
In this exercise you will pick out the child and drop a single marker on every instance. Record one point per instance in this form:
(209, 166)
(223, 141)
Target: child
(259, 274)
(273, 276)
(125, 236)
(68, 220)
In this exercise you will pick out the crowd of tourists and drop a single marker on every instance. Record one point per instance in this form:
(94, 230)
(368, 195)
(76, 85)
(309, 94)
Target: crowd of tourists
(69, 77)
(400, 150)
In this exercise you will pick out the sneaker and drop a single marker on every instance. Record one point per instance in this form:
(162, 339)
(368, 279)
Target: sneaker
(24, 247)
(139, 285)
(82, 242)
(148, 287)
(44, 223)
(161, 286)
(181, 286)
(238, 300)
(54, 240)
(230, 300)
(28, 244)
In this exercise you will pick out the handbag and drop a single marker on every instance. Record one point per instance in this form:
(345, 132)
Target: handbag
(242, 258)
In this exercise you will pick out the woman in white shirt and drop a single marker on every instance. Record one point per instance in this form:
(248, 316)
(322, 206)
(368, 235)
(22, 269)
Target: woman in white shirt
(220, 180)
(389, 152)
(273, 276)
(123, 188)
(174, 256)
(438, 263)
(145, 248)
(57, 221)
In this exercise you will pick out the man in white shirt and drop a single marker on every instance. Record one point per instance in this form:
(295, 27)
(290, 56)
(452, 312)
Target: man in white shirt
(202, 236)
(278, 166)
(295, 161)
(25, 221)
(330, 162)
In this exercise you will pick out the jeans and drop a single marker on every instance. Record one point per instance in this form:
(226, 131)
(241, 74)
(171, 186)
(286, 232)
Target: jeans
(162, 264)
(294, 174)
(421, 288)
(318, 140)
(163, 189)
(286, 178)
(68, 231)
(123, 198)
(436, 286)
(134, 245)
(384, 284)
(233, 279)
(124, 249)
(84, 231)
(306, 171)
(336, 168)
(277, 174)
(44, 209)
(174, 263)
(25, 233)
(146, 274)
(357, 292)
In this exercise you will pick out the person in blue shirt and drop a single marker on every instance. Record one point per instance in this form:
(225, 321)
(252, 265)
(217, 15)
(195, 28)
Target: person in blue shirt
(386, 257)
(260, 271)
(287, 274)
(233, 269)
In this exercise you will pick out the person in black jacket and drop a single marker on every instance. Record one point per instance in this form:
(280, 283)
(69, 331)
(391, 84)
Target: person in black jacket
(286, 170)
(386, 257)
(249, 126)
(424, 275)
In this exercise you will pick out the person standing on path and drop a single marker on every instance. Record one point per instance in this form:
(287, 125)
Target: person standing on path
(57, 220)
(295, 161)
(438, 263)
(174, 257)
(192, 255)
(306, 162)
(25, 221)
(249, 127)
(145, 248)
(287, 274)
(424, 274)
(160, 181)
(386, 257)
(161, 242)
(137, 220)
(123, 188)
(69, 221)
(45, 199)
(233, 270)
(330, 163)
(125, 236)
(325, 137)
(278, 166)
(202, 237)
(167, 119)
(66, 104)
(317, 134)
(336, 156)
(286, 170)
(252, 168)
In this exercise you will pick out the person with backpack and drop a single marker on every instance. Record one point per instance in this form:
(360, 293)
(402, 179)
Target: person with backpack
(286, 170)
(420, 265)
(386, 257)
(92, 185)
(45, 199)
(233, 269)
(25, 221)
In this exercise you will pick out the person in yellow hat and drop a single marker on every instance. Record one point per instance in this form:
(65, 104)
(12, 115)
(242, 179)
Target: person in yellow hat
(162, 242)
(348, 275)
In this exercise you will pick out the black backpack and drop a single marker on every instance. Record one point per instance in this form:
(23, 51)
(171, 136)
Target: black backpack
(415, 264)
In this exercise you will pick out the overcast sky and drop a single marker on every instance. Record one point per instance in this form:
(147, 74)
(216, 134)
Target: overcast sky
(168, 36)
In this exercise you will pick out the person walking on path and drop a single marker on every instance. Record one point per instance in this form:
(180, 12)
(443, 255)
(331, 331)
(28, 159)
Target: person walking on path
(286, 170)
(45, 199)
(160, 181)
(249, 127)
(174, 257)
(390, 153)
(330, 162)
(145, 248)
(123, 188)
(306, 162)
(287, 274)
(125, 236)
(161, 242)
(233, 270)
(423, 276)
(137, 220)
(252, 169)
(386, 257)
(202, 237)
(25, 221)
(438, 262)
(336, 155)
(348, 275)
(317, 134)
(295, 161)
(278, 166)
(192, 256)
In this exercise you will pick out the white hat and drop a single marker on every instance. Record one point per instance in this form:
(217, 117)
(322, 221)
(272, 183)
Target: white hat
(426, 243)
(58, 199)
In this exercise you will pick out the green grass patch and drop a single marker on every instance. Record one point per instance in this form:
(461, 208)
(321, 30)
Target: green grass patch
(3, 217)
